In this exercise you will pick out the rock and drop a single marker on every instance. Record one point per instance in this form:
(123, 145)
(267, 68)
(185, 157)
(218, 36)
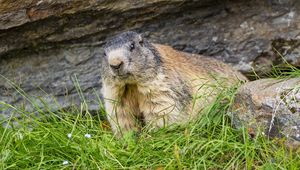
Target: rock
(62, 79)
(237, 32)
(270, 107)
(44, 42)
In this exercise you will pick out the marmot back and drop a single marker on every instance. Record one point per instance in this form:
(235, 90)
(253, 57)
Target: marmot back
(155, 85)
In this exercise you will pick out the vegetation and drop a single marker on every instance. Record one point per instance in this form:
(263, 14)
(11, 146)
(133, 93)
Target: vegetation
(75, 139)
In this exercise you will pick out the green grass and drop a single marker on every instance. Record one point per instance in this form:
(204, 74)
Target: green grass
(208, 143)
(280, 71)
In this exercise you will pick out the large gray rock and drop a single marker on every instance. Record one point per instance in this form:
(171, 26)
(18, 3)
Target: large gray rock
(43, 43)
(63, 79)
(270, 107)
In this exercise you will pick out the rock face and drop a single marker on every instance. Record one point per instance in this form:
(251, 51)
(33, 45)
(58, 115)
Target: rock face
(62, 79)
(270, 107)
(43, 43)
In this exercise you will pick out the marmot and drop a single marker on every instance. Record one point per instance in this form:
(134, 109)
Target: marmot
(156, 85)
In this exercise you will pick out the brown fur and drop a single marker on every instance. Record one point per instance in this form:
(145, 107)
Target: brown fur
(173, 91)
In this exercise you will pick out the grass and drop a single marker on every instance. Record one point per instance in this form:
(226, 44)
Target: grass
(280, 71)
(61, 140)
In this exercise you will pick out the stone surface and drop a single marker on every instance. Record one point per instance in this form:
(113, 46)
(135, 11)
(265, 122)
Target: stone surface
(53, 79)
(270, 107)
(43, 43)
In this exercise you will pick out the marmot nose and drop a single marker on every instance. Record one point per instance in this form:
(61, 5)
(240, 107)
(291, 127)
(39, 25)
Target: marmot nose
(116, 66)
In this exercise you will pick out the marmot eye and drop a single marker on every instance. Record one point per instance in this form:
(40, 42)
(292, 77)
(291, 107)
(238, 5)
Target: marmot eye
(104, 54)
(131, 46)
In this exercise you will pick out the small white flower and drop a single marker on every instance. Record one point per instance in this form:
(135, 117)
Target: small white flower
(65, 162)
(87, 135)
(69, 135)
(263, 133)
(297, 95)
(294, 127)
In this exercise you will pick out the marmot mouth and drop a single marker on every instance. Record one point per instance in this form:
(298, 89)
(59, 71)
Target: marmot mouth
(122, 75)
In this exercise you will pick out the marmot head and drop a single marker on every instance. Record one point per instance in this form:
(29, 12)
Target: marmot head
(129, 56)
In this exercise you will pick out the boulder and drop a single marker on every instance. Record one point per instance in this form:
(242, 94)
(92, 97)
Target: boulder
(270, 107)
(44, 43)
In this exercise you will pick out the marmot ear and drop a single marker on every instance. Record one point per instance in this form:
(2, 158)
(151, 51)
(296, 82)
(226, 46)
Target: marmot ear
(141, 40)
